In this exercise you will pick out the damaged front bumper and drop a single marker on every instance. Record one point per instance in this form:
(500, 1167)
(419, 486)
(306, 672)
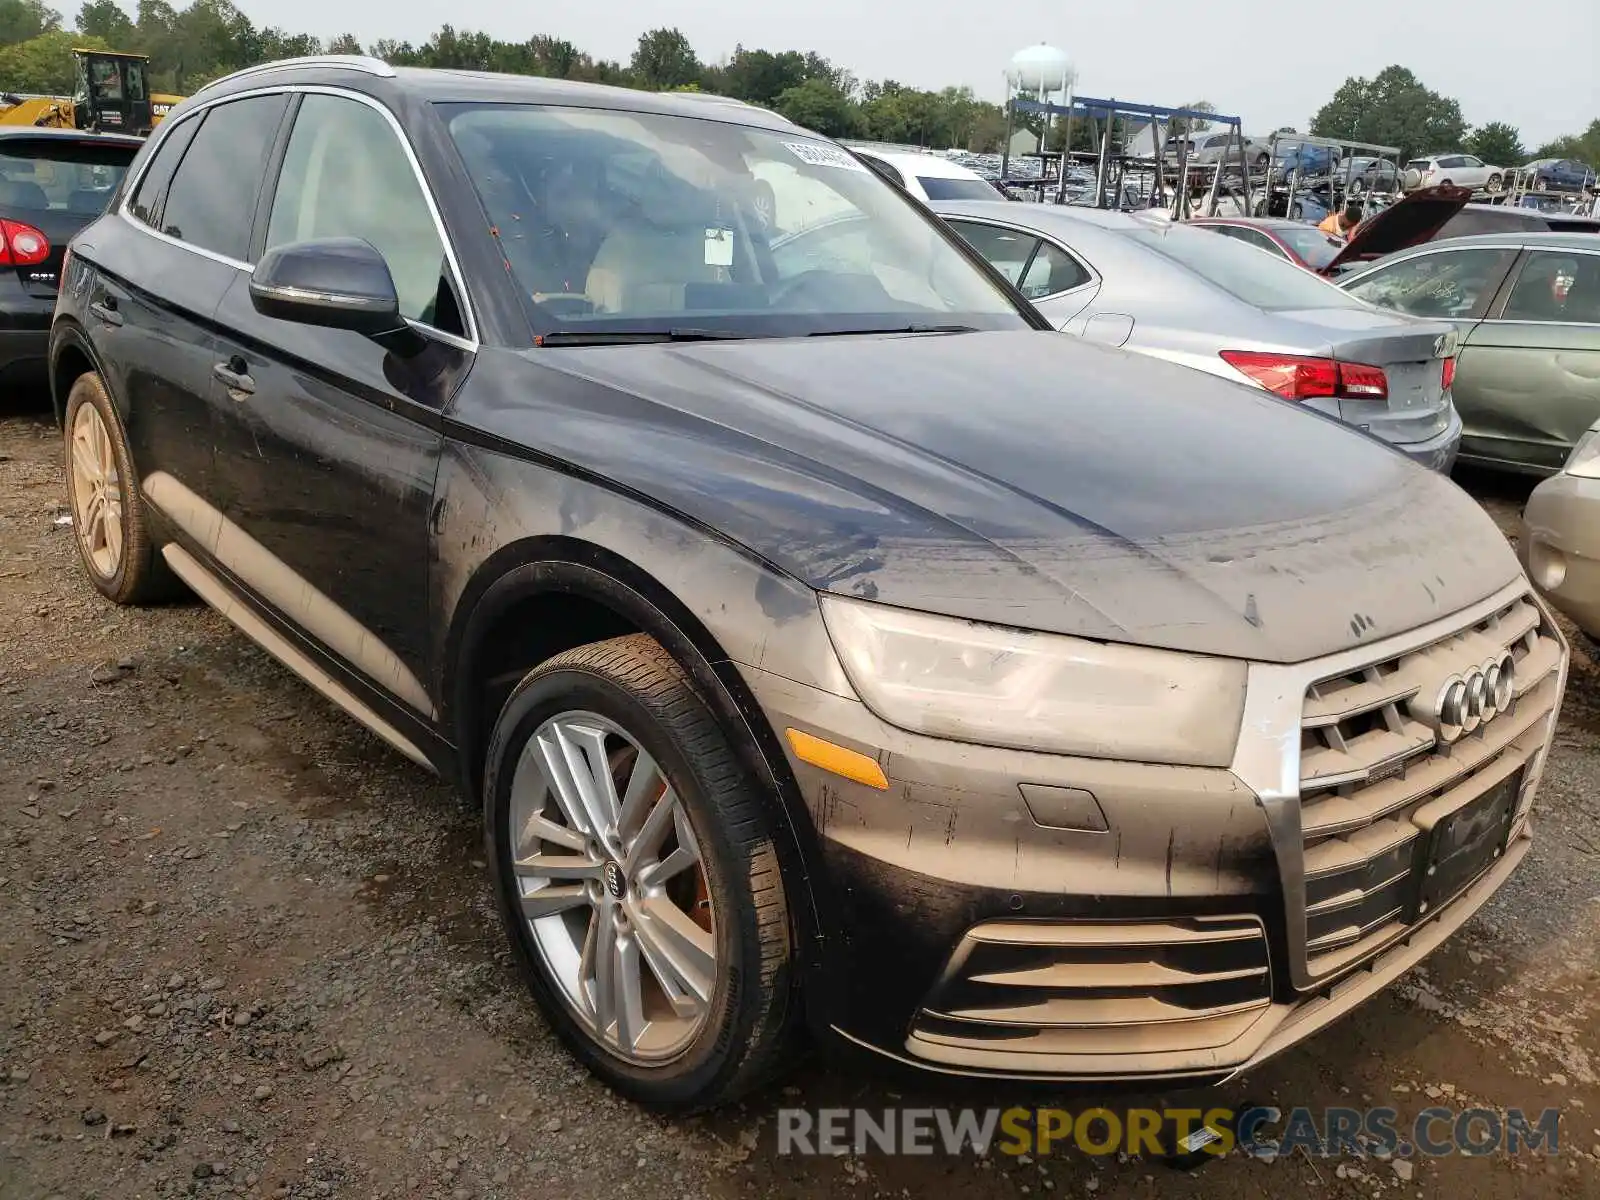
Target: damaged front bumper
(1031, 916)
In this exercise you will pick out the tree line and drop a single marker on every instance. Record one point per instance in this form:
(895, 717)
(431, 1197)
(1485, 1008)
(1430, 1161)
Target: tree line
(189, 47)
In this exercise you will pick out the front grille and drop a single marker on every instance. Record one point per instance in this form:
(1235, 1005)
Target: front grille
(1374, 780)
(1093, 988)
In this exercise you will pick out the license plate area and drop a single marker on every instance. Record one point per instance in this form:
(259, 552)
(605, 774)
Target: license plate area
(1414, 387)
(1458, 846)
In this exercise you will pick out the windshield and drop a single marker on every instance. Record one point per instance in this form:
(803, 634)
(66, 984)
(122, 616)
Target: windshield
(1314, 247)
(1264, 280)
(940, 188)
(60, 175)
(617, 223)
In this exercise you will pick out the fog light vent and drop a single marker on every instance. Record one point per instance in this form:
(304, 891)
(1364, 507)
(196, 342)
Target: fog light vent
(1054, 987)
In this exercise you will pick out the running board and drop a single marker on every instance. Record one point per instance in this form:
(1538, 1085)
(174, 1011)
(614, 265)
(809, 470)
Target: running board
(212, 590)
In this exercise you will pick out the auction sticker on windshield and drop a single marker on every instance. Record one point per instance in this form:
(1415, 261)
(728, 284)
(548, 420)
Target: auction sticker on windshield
(814, 155)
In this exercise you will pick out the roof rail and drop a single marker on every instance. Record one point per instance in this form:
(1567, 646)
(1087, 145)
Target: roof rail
(350, 62)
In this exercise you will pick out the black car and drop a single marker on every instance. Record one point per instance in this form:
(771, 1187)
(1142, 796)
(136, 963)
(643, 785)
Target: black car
(53, 182)
(828, 643)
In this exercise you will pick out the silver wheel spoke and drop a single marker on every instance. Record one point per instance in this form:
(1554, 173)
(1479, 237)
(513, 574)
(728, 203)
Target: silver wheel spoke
(602, 970)
(654, 831)
(84, 462)
(111, 521)
(681, 954)
(543, 829)
(645, 786)
(91, 515)
(585, 750)
(557, 866)
(630, 994)
(548, 901)
(546, 747)
(686, 855)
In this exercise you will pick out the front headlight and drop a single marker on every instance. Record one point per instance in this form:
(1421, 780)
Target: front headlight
(956, 679)
(1585, 459)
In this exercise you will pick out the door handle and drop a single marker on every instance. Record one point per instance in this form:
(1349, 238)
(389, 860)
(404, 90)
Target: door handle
(106, 310)
(235, 374)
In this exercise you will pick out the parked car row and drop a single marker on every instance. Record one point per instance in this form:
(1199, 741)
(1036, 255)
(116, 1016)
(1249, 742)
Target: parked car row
(832, 646)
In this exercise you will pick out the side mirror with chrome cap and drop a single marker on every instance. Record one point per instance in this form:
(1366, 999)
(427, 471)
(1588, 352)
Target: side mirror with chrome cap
(338, 283)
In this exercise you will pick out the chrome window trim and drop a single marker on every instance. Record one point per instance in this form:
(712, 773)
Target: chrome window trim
(1525, 321)
(1094, 279)
(1267, 757)
(470, 343)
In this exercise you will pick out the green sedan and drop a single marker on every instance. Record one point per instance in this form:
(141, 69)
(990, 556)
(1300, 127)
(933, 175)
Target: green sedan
(1527, 305)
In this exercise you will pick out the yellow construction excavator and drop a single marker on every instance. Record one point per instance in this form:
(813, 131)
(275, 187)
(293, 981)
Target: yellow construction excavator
(111, 96)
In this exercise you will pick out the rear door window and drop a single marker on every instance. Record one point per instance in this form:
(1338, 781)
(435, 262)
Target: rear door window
(1052, 271)
(211, 201)
(157, 176)
(1558, 286)
(1009, 251)
(1458, 284)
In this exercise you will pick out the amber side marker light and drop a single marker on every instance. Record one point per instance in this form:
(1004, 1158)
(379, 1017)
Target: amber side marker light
(850, 763)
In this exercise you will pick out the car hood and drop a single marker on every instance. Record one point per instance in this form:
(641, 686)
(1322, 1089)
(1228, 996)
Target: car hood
(1026, 479)
(1416, 218)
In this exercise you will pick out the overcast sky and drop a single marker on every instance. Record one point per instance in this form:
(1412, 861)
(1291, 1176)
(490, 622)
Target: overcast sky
(1532, 63)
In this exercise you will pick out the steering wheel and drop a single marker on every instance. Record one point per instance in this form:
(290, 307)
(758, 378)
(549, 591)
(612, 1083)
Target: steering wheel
(565, 304)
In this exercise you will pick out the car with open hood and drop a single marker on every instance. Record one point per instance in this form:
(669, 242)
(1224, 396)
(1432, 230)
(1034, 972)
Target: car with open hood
(829, 645)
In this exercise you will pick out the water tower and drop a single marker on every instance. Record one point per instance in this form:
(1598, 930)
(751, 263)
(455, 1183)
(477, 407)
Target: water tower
(1041, 73)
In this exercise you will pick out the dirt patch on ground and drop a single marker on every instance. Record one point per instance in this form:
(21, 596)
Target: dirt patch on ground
(247, 950)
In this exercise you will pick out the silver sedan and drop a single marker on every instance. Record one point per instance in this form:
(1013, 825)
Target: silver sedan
(1227, 308)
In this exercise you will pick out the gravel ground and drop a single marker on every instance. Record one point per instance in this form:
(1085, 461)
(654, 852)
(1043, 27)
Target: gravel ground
(245, 950)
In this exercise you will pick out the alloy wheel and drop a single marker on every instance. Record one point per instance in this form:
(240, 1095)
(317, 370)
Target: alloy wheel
(610, 880)
(97, 496)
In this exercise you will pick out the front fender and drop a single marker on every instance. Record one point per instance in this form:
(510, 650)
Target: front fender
(509, 528)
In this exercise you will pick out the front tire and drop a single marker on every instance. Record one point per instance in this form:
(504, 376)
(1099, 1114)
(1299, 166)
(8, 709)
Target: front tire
(108, 515)
(635, 869)
(1493, 184)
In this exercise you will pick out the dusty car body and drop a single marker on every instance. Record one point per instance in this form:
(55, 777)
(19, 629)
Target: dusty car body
(1026, 708)
(1189, 296)
(1527, 310)
(1560, 543)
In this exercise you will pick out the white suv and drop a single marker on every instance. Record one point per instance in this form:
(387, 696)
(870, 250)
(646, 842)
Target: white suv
(1463, 170)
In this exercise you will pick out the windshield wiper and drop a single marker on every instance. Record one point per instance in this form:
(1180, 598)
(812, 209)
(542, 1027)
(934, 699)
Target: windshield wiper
(895, 329)
(637, 337)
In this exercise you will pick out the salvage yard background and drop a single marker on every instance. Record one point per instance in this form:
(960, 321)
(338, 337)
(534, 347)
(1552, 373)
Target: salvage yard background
(246, 950)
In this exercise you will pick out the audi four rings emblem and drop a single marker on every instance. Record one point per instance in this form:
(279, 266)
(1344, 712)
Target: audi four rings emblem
(1474, 698)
